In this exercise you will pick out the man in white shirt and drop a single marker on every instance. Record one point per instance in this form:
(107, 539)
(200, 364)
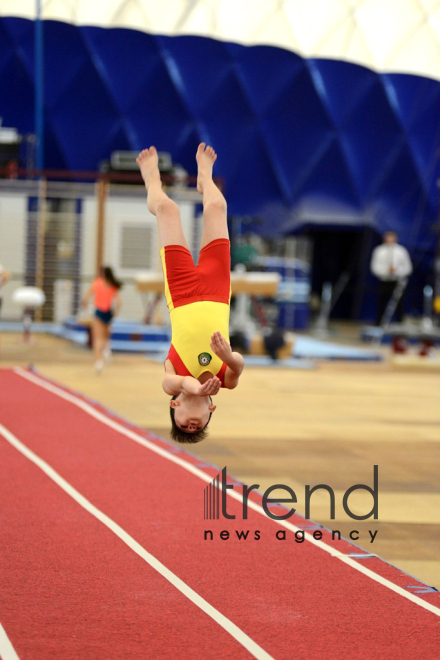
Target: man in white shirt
(390, 263)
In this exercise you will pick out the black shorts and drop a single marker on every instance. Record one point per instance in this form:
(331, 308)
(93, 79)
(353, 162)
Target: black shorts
(104, 317)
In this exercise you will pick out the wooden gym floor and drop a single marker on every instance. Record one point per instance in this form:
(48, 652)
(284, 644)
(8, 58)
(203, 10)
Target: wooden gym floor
(328, 425)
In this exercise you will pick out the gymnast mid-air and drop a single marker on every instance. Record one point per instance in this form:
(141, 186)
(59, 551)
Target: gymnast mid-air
(200, 360)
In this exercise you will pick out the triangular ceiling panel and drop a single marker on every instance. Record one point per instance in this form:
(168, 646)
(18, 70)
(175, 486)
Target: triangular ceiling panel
(297, 127)
(118, 139)
(21, 39)
(195, 61)
(186, 146)
(331, 177)
(254, 172)
(8, 50)
(323, 18)
(158, 114)
(82, 129)
(265, 72)
(59, 159)
(399, 204)
(369, 137)
(68, 57)
(123, 77)
(16, 107)
(342, 86)
(226, 121)
(417, 101)
(21, 32)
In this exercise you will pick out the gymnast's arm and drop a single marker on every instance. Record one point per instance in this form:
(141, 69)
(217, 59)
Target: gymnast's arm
(88, 294)
(233, 371)
(234, 361)
(173, 384)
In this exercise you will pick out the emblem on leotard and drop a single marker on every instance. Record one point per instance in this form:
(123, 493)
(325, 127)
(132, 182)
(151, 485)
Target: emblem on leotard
(204, 359)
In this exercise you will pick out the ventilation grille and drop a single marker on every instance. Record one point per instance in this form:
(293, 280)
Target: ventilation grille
(136, 247)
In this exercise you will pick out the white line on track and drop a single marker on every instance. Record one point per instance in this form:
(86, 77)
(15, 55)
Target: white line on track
(193, 596)
(7, 651)
(231, 493)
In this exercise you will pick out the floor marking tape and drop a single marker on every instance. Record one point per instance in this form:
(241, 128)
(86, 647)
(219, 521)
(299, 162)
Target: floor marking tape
(7, 651)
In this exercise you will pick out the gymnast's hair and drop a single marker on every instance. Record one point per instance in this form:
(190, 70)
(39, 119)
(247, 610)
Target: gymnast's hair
(108, 275)
(181, 436)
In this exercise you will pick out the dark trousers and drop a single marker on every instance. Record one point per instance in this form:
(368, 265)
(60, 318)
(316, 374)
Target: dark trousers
(386, 290)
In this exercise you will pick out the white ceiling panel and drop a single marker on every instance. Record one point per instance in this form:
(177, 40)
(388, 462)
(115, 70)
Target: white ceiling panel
(387, 35)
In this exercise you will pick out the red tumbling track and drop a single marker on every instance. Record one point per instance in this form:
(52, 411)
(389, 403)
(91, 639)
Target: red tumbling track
(73, 589)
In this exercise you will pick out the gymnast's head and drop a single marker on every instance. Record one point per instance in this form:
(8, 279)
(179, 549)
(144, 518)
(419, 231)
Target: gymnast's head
(390, 237)
(190, 416)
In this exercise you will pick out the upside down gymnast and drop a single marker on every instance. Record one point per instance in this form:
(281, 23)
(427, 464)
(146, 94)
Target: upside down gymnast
(200, 360)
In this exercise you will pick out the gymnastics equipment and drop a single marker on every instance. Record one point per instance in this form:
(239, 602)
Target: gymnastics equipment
(385, 324)
(425, 334)
(243, 285)
(150, 283)
(329, 297)
(291, 259)
(29, 298)
(393, 302)
(428, 300)
(276, 343)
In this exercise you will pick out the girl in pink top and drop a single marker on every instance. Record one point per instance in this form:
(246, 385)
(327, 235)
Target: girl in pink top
(105, 290)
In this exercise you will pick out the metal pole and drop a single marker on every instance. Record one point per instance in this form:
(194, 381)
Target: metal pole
(428, 298)
(321, 327)
(39, 87)
(437, 262)
(289, 320)
(101, 192)
(41, 240)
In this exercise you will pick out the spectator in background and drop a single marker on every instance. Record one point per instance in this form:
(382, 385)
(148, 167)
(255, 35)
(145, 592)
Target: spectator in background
(390, 263)
(4, 277)
(105, 291)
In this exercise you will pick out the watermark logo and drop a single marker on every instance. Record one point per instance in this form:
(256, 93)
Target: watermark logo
(212, 499)
(216, 493)
(215, 507)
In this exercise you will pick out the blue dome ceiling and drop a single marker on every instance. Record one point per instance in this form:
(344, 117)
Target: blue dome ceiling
(299, 140)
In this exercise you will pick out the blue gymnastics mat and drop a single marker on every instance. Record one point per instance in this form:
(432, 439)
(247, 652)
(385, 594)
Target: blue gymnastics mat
(315, 349)
(155, 340)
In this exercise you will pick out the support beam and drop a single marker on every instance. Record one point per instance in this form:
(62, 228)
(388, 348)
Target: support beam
(101, 192)
(39, 87)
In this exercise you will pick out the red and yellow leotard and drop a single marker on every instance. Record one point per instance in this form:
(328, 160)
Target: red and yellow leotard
(198, 299)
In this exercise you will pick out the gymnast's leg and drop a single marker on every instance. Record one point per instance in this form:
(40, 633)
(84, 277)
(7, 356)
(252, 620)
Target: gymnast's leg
(214, 204)
(159, 204)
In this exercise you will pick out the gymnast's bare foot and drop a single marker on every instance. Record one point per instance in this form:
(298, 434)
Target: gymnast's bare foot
(205, 160)
(148, 165)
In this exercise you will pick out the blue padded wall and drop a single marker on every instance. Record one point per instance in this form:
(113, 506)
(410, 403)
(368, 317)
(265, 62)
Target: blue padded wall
(292, 134)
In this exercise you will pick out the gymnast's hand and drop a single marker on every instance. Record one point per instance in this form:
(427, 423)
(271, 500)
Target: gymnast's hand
(221, 347)
(210, 388)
